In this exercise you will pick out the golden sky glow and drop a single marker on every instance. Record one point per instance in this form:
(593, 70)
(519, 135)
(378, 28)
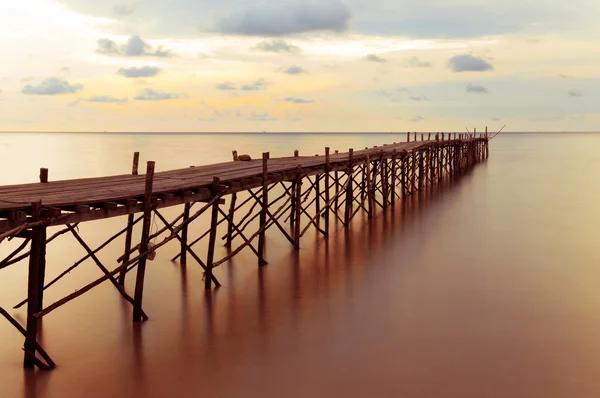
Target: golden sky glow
(83, 65)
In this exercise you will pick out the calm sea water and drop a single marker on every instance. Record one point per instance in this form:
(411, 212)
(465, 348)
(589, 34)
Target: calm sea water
(486, 288)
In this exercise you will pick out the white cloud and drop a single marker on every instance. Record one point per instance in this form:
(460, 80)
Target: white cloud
(472, 88)
(298, 100)
(52, 86)
(375, 58)
(134, 47)
(144, 71)
(277, 46)
(287, 18)
(150, 94)
(295, 70)
(469, 63)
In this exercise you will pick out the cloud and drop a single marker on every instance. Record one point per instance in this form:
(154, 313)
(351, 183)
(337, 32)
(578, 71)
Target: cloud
(107, 99)
(287, 18)
(52, 86)
(563, 76)
(414, 62)
(417, 119)
(225, 86)
(471, 88)
(134, 47)
(575, 93)
(153, 95)
(375, 58)
(26, 79)
(144, 71)
(261, 117)
(277, 46)
(260, 84)
(469, 63)
(123, 10)
(295, 70)
(419, 98)
(298, 100)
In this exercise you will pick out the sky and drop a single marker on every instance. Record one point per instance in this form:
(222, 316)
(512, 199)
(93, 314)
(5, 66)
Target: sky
(291, 65)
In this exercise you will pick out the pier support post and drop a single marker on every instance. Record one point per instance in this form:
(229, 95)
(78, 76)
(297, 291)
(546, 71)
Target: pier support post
(263, 209)
(130, 217)
(297, 199)
(413, 175)
(384, 180)
(393, 178)
(421, 169)
(349, 188)
(327, 195)
(403, 177)
(370, 189)
(35, 285)
(230, 222)
(212, 237)
(184, 234)
(141, 268)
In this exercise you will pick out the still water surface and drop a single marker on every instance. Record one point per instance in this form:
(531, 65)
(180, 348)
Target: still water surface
(486, 288)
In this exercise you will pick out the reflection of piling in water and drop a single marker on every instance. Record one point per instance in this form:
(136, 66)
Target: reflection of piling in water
(301, 189)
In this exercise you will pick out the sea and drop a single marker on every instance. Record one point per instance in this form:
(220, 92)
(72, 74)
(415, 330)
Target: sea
(487, 287)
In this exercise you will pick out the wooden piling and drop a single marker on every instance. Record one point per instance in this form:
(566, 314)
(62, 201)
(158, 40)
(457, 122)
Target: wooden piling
(212, 238)
(130, 217)
(35, 285)
(421, 170)
(370, 189)
(297, 210)
(393, 178)
(263, 210)
(141, 268)
(349, 189)
(327, 190)
(384, 180)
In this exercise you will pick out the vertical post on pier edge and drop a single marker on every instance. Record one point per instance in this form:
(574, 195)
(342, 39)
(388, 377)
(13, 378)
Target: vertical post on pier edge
(129, 232)
(297, 199)
(35, 285)
(327, 197)
(212, 238)
(408, 136)
(141, 268)
(349, 190)
(43, 176)
(263, 209)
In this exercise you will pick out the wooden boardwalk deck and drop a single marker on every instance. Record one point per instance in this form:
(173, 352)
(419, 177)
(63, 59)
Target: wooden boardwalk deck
(310, 192)
(114, 194)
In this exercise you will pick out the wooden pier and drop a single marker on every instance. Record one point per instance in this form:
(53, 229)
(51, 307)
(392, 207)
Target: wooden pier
(242, 198)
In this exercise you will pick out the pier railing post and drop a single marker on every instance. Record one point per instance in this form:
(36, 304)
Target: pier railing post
(263, 209)
(130, 217)
(141, 268)
(43, 175)
(35, 285)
